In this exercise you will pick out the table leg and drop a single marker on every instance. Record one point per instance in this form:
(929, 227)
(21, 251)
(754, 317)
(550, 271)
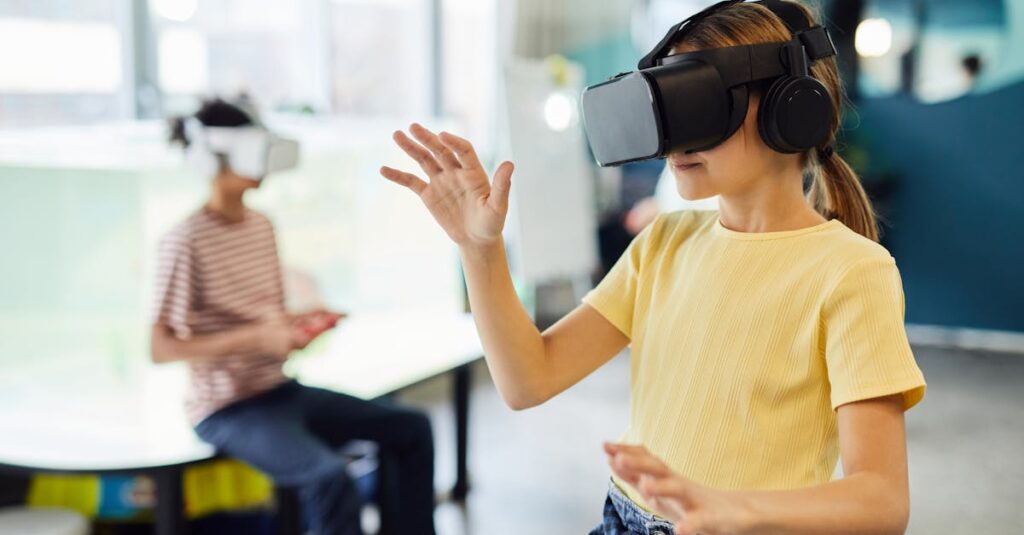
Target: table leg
(463, 378)
(170, 503)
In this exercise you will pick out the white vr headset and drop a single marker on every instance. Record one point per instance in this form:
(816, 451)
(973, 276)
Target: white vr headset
(250, 151)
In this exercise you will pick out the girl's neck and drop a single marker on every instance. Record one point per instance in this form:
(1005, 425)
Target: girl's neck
(776, 203)
(227, 205)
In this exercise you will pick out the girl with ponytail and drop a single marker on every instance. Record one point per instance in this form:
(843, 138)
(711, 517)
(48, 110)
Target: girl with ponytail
(766, 338)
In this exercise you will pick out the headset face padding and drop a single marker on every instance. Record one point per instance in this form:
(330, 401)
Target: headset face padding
(795, 114)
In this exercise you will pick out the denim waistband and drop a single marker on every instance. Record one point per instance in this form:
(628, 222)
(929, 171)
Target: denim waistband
(635, 518)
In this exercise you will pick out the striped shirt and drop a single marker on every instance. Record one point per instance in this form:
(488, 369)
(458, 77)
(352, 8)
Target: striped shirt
(215, 275)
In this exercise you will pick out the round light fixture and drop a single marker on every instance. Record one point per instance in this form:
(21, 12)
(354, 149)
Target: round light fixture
(873, 38)
(559, 111)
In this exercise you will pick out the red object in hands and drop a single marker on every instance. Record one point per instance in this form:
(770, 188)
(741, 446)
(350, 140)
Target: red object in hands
(313, 325)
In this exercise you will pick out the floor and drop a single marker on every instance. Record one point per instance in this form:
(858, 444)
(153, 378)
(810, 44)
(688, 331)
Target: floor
(542, 470)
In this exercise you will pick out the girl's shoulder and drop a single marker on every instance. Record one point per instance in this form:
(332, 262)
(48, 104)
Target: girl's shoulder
(679, 225)
(846, 247)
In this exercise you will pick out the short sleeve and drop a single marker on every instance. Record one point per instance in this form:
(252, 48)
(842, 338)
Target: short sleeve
(615, 296)
(175, 290)
(866, 349)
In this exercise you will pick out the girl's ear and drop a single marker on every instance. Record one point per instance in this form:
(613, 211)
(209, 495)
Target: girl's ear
(753, 106)
(750, 129)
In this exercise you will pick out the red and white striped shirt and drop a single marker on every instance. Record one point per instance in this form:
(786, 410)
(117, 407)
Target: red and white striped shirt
(214, 275)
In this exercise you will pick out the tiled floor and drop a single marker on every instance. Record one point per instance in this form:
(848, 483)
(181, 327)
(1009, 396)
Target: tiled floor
(542, 471)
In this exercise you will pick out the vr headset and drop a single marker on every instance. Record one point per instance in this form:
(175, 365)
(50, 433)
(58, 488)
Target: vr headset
(696, 100)
(250, 151)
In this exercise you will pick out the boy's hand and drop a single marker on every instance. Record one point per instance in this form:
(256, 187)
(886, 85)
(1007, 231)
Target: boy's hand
(308, 326)
(275, 337)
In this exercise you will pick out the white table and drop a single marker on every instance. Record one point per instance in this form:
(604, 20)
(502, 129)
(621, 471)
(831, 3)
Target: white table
(376, 355)
(140, 427)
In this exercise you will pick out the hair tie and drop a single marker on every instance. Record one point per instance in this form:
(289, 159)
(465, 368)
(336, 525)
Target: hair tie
(826, 153)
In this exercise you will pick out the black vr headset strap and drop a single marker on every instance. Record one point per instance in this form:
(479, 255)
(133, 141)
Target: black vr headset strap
(738, 65)
(790, 14)
(677, 32)
(814, 38)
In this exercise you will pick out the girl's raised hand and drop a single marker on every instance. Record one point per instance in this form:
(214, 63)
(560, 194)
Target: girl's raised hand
(459, 196)
(693, 508)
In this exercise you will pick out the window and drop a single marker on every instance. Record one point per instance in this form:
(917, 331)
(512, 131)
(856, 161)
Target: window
(61, 62)
(382, 59)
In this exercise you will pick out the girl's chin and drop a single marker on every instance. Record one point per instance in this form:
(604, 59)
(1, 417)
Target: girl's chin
(690, 193)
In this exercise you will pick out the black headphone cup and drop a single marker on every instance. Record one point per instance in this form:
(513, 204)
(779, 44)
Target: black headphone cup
(795, 114)
(766, 115)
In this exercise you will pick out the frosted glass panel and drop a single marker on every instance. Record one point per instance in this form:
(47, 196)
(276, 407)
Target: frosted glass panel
(79, 228)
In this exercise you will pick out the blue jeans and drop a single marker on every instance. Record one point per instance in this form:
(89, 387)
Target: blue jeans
(623, 517)
(293, 432)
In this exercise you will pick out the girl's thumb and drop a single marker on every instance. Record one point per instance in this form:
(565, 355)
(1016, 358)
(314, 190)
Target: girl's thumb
(501, 186)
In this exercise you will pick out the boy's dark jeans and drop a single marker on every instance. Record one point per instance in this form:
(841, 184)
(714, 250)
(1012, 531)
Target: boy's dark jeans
(293, 432)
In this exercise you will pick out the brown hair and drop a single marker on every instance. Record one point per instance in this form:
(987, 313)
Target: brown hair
(835, 190)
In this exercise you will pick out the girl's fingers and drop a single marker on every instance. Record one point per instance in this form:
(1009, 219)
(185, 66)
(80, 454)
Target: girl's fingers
(637, 459)
(625, 469)
(462, 148)
(615, 447)
(418, 153)
(674, 488)
(501, 187)
(402, 178)
(635, 467)
(430, 140)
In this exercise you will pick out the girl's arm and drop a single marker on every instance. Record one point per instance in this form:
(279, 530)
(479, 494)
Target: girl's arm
(528, 367)
(871, 498)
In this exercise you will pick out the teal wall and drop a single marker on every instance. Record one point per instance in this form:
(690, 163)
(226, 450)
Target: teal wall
(957, 211)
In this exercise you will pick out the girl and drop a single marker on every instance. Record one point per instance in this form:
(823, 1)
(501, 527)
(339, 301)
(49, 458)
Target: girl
(767, 337)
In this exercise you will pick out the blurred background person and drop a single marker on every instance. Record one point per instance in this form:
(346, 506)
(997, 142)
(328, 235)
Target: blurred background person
(220, 308)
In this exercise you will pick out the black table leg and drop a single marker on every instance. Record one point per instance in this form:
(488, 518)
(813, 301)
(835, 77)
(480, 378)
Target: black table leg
(170, 503)
(463, 378)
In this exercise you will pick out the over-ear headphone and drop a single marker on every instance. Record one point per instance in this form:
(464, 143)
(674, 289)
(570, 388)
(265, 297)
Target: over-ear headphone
(796, 111)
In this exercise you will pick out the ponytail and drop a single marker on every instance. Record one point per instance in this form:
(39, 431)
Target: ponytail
(836, 193)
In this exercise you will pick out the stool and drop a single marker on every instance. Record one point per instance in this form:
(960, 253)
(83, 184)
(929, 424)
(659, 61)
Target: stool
(41, 521)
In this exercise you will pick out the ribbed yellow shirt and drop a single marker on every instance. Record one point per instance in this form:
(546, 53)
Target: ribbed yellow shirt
(743, 344)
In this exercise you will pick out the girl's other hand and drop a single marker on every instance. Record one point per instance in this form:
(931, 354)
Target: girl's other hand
(693, 508)
(459, 196)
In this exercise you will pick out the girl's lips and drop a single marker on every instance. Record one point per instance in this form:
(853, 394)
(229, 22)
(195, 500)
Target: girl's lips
(684, 166)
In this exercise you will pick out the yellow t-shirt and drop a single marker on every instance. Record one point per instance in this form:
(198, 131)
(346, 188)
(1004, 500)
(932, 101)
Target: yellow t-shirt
(743, 345)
